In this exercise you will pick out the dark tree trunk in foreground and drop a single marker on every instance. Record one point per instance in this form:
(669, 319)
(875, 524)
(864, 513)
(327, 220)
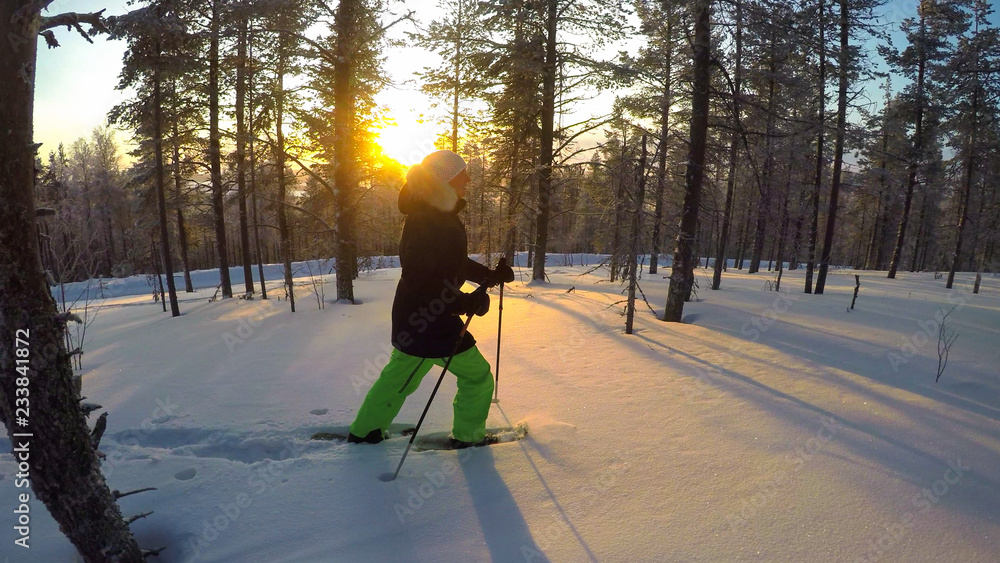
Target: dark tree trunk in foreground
(345, 173)
(64, 469)
(838, 150)
(682, 269)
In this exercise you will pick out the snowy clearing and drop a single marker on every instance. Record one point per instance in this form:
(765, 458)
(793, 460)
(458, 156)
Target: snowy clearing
(771, 427)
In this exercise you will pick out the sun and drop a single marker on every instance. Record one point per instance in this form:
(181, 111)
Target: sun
(408, 134)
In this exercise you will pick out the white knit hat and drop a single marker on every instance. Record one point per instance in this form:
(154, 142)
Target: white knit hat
(444, 164)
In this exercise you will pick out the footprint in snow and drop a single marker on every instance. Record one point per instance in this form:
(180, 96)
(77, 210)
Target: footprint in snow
(186, 474)
(319, 412)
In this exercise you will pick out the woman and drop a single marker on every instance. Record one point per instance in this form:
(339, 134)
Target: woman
(425, 312)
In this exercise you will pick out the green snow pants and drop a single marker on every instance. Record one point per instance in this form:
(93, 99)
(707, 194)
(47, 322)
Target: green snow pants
(401, 377)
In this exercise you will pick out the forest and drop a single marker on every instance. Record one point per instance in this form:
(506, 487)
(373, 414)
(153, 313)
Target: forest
(826, 142)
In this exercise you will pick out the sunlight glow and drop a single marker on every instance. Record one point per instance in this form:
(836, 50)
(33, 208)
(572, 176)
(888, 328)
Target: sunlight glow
(406, 142)
(410, 132)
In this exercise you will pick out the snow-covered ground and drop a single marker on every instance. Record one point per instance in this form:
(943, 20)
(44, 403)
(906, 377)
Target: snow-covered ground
(771, 427)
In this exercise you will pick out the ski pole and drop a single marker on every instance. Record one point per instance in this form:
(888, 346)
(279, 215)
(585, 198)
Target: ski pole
(392, 476)
(496, 385)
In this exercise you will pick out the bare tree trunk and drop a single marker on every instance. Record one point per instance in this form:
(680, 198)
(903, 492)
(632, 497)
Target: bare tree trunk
(915, 157)
(764, 199)
(65, 471)
(970, 165)
(793, 257)
(513, 204)
(345, 172)
(720, 253)
(458, 77)
(820, 136)
(161, 200)
(215, 152)
(241, 141)
(983, 258)
(546, 142)
(633, 263)
(619, 178)
(838, 150)
(682, 269)
(744, 232)
(279, 159)
(874, 256)
(157, 262)
(784, 225)
(921, 228)
(182, 237)
(661, 170)
(253, 171)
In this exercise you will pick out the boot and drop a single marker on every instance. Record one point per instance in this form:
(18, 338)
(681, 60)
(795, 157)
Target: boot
(373, 437)
(460, 445)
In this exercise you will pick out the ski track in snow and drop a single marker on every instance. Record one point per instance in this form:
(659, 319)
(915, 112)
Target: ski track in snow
(768, 427)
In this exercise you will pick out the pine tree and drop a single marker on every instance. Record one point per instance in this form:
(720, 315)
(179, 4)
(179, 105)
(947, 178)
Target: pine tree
(929, 39)
(682, 274)
(976, 57)
(155, 35)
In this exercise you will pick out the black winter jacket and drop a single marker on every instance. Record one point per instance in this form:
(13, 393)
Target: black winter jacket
(433, 253)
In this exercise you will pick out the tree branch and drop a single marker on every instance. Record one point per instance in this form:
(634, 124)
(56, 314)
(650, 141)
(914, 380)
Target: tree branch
(72, 20)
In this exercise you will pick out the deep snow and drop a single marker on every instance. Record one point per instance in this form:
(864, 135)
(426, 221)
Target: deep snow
(774, 427)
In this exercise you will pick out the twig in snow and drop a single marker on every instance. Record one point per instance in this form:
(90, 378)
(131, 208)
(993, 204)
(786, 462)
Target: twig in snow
(946, 338)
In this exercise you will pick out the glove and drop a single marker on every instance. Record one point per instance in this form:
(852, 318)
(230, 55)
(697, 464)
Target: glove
(501, 274)
(477, 303)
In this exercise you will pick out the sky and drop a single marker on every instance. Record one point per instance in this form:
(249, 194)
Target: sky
(75, 87)
(75, 83)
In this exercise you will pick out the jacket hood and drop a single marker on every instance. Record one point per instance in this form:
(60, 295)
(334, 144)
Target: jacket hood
(424, 190)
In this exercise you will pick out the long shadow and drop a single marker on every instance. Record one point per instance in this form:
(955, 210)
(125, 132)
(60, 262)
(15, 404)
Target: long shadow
(797, 342)
(555, 501)
(507, 535)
